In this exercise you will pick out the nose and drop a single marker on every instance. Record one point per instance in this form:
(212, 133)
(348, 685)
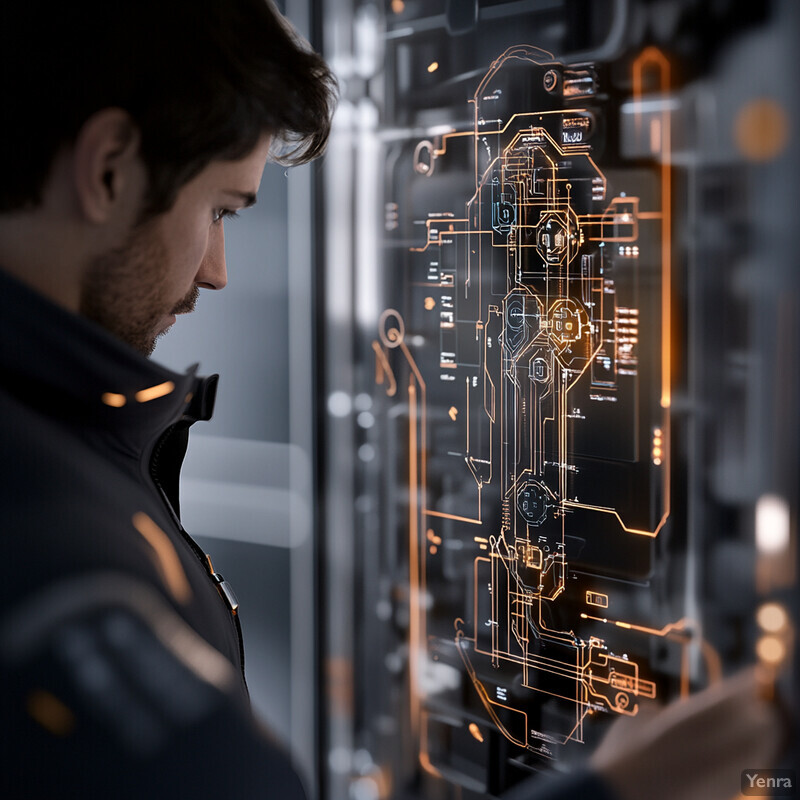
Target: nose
(213, 273)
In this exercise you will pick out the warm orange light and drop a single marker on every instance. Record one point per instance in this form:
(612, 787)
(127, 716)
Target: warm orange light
(50, 713)
(398, 6)
(761, 129)
(154, 392)
(165, 557)
(433, 66)
(772, 617)
(771, 650)
(475, 731)
(114, 400)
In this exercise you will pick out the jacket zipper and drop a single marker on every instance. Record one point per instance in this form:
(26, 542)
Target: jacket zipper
(223, 588)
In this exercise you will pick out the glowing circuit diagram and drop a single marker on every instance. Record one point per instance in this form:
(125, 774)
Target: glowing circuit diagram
(547, 397)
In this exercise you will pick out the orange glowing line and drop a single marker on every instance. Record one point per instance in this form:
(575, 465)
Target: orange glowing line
(165, 557)
(114, 400)
(429, 513)
(653, 57)
(572, 504)
(426, 763)
(154, 392)
(484, 696)
(665, 631)
(384, 369)
(424, 755)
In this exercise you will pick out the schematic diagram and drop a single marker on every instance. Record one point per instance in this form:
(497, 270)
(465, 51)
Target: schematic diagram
(531, 355)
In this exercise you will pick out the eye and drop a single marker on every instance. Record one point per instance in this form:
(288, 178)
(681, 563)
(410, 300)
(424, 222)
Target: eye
(220, 213)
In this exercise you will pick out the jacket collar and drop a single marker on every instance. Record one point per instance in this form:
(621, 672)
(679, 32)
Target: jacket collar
(69, 367)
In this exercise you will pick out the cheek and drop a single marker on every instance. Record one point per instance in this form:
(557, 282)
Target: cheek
(187, 252)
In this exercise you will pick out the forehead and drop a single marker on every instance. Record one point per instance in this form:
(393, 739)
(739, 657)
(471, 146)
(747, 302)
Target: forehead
(242, 175)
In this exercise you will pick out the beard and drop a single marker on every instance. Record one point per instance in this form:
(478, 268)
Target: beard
(123, 290)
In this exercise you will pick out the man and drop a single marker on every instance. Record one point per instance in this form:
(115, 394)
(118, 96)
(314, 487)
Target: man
(130, 131)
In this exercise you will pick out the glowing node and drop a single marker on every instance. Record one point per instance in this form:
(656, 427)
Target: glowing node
(772, 617)
(761, 129)
(772, 524)
(433, 66)
(475, 731)
(339, 404)
(771, 650)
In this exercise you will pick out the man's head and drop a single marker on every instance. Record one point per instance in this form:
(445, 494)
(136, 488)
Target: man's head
(128, 130)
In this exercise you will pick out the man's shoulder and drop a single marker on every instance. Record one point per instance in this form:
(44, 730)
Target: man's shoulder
(101, 664)
(67, 506)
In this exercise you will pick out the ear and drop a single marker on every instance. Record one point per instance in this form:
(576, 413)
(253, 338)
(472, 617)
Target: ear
(106, 164)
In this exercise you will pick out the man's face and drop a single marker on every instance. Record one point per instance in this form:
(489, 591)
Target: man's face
(136, 290)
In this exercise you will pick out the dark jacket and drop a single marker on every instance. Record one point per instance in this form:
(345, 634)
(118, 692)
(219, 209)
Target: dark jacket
(121, 668)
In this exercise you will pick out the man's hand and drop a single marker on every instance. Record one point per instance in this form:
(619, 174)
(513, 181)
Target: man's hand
(692, 749)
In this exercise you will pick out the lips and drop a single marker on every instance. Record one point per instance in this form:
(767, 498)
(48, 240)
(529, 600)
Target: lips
(187, 304)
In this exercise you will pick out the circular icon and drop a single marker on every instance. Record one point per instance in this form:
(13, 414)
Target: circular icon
(391, 328)
(424, 158)
(622, 700)
(550, 80)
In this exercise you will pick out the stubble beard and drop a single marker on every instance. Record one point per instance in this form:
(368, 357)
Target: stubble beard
(123, 290)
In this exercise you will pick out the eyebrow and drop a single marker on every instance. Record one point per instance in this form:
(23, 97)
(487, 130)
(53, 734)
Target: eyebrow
(248, 198)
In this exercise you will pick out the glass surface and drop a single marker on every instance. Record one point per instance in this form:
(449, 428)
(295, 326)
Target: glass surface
(543, 464)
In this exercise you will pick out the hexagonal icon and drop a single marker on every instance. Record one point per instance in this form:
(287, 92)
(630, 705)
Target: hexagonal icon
(521, 321)
(539, 370)
(557, 237)
(532, 502)
(504, 210)
(568, 322)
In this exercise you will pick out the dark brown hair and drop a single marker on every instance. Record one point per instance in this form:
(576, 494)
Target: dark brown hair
(202, 79)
